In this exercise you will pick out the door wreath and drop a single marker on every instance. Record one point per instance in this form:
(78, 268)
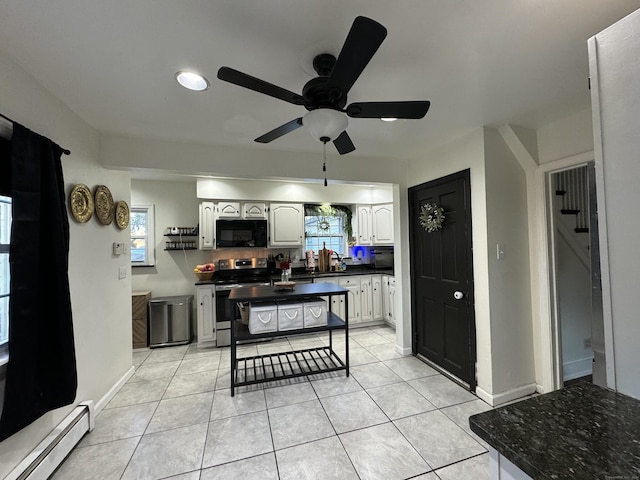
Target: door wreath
(431, 217)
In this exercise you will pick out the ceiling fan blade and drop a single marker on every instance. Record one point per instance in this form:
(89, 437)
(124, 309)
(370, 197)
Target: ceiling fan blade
(363, 40)
(252, 83)
(343, 143)
(280, 131)
(411, 109)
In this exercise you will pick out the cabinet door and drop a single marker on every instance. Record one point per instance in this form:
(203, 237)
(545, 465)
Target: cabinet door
(385, 297)
(366, 299)
(382, 223)
(376, 297)
(353, 285)
(286, 224)
(337, 301)
(254, 210)
(205, 314)
(363, 217)
(392, 300)
(228, 210)
(207, 226)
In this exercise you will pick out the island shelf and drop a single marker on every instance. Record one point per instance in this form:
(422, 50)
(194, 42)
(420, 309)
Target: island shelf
(295, 363)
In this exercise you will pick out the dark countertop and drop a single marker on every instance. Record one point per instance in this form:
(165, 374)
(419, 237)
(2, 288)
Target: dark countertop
(246, 294)
(351, 270)
(579, 432)
(302, 274)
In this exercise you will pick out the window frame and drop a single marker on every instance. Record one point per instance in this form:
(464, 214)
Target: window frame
(343, 235)
(150, 242)
(4, 250)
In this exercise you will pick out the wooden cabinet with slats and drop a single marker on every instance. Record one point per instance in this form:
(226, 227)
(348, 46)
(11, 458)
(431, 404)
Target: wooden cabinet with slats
(140, 318)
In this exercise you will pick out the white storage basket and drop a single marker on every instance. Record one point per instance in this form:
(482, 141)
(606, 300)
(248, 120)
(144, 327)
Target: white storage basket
(290, 315)
(263, 317)
(315, 313)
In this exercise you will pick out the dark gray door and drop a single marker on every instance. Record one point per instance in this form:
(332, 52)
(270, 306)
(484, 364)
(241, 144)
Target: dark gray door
(442, 278)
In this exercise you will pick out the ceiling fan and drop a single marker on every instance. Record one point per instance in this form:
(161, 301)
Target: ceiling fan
(326, 95)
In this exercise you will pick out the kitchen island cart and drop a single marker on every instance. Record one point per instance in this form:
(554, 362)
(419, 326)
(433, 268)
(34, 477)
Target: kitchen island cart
(296, 363)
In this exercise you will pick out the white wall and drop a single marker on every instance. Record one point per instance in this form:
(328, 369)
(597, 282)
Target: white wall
(101, 304)
(565, 137)
(468, 152)
(281, 191)
(615, 74)
(509, 278)
(574, 298)
(175, 205)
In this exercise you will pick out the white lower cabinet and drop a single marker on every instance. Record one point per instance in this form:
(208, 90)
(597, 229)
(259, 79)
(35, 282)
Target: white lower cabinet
(388, 298)
(337, 301)
(206, 314)
(366, 299)
(376, 298)
(353, 285)
(370, 297)
(392, 301)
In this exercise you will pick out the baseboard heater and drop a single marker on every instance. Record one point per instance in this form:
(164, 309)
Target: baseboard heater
(51, 452)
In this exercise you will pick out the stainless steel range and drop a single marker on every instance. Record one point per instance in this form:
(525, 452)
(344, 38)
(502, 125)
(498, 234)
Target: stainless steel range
(235, 273)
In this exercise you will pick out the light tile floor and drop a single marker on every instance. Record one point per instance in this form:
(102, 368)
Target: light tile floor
(393, 418)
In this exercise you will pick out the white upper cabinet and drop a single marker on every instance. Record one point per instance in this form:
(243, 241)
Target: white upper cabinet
(382, 223)
(207, 238)
(286, 225)
(228, 210)
(254, 210)
(363, 219)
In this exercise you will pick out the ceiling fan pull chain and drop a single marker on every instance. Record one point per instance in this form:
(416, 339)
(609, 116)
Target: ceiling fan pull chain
(324, 161)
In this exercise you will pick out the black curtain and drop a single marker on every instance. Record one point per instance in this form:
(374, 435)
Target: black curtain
(41, 373)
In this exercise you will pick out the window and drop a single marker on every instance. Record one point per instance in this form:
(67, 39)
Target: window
(327, 226)
(142, 236)
(5, 236)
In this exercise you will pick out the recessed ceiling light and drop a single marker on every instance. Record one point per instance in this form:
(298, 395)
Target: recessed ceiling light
(192, 81)
(389, 119)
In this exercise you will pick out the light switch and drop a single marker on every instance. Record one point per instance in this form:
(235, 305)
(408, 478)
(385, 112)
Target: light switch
(500, 251)
(122, 273)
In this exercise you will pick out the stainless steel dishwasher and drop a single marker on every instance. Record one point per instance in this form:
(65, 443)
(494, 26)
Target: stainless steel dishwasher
(170, 321)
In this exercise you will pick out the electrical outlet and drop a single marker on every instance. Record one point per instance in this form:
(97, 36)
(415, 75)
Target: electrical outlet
(587, 343)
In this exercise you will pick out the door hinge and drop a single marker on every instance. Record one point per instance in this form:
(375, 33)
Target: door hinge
(475, 367)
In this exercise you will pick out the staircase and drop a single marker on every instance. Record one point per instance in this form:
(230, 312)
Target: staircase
(572, 209)
(573, 187)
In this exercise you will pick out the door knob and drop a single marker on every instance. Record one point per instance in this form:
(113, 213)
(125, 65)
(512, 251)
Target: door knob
(458, 295)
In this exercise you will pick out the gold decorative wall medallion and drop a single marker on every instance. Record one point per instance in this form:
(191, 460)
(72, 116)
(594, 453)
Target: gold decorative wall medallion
(122, 214)
(103, 204)
(81, 203)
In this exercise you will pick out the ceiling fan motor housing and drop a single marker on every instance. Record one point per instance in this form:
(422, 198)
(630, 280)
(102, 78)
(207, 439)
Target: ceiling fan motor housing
(316, 92)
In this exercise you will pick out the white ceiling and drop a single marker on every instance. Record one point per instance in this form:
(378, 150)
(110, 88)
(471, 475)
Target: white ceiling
(480, 62)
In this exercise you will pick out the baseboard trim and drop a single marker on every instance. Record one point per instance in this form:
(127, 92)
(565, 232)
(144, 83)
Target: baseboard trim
(406, 351)
(505, 397)
(100, 404)
(577, 368)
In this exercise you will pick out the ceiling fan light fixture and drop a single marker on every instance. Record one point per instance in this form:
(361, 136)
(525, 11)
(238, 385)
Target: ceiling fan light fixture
(325, 123)
(192, 81)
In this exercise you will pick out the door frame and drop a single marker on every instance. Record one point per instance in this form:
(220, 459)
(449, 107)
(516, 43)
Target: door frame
(550, 341)
(473, 358)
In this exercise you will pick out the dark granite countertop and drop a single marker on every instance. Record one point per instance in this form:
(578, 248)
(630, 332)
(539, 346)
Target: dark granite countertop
(579, 432)
(299, 274)
(304, 275)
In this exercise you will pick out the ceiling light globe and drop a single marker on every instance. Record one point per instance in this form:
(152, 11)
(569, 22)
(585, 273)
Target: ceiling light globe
(192, 81)
(325, 123)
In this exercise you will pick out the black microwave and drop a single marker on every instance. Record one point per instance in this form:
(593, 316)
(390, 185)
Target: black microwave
(241, 233)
